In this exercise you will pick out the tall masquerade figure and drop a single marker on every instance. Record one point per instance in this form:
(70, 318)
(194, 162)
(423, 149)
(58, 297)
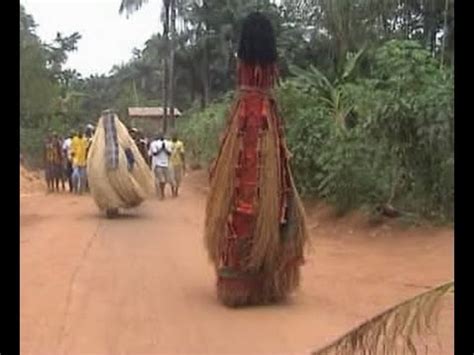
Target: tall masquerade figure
(255, 230)
(118, 175)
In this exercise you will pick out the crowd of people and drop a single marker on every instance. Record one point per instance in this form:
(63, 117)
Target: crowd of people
(65, 160)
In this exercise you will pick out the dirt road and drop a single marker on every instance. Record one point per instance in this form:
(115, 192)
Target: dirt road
(143, 285)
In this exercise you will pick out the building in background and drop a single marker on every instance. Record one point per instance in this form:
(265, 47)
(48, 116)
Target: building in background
(150, 119)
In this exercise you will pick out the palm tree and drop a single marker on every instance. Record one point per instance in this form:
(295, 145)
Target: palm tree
(171, 63)
(153, 48)
(130, 6)
(331, 93)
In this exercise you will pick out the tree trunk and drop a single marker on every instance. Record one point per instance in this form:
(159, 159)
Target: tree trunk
(445, 31)
(193, 82)
(429, 26)
(166, 27)
(135, 92)
(204, 76)
(426, 23)
(407, 16)
(342, 49)
(171, 63)
(204, 82)
(450, 35)
(386, 29)
(205, 68)
(165, 94)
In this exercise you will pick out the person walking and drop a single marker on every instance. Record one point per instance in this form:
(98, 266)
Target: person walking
(160, 151)
(177, 164)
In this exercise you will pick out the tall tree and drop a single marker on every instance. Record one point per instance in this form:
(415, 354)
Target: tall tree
(38, 88)
(130, 6)
(171, 60)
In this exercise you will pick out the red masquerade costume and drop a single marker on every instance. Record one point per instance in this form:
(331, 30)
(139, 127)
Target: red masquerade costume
(255, 227)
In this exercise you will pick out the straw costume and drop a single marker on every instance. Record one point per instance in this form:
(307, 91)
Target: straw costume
(118, 175)
(255, 230)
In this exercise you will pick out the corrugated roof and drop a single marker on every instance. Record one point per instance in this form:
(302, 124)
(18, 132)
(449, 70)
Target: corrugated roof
(149, 112)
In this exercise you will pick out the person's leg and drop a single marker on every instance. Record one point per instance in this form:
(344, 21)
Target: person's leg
(82, 180)
(176, 179)
(162, 181)
(48, 177)
(63, 177)
(79, 180)
(75, 179)
(178, 174)
(157, 180)
(168, 179)
(179, 179)
(57, 176)
(69, 176)
(171, 172)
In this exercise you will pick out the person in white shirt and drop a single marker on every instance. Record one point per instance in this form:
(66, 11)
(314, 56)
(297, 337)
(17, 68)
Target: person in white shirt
(160, 151)
(68, 159)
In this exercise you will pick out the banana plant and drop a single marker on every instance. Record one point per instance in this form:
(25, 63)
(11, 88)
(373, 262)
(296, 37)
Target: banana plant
(331, 93)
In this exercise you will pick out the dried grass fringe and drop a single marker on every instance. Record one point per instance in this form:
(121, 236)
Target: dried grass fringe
(270, 256)
(394, 330)
(221, 190)
(279, 259)
(264, 254)
(120, 188)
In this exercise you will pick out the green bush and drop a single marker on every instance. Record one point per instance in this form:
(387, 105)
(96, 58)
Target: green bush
(413, 119)
(364, 141)
(327, 161)
(32, 139)
(201, 130)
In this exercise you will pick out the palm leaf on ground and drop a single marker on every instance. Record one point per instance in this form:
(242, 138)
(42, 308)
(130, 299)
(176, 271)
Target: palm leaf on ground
(393, 328)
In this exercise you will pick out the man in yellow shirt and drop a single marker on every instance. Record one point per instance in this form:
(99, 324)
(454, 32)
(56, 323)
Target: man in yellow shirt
(177, 164)
(79, 145)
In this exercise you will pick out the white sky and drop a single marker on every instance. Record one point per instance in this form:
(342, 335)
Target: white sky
(107, 37)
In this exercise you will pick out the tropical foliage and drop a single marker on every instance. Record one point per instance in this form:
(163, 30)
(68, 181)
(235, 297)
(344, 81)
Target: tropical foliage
(366, 95)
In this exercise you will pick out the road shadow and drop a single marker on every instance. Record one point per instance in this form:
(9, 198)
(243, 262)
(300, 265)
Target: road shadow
(123, 216)
(207, 298)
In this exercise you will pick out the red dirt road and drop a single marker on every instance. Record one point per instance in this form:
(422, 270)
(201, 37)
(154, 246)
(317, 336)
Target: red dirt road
(142, 284)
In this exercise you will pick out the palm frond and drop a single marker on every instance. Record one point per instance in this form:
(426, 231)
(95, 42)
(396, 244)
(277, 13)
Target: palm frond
(311, 76)
(130, 6)
(351, 62)
(396, 327)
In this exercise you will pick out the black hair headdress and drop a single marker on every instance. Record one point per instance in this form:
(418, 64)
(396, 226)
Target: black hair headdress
(257, 41)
